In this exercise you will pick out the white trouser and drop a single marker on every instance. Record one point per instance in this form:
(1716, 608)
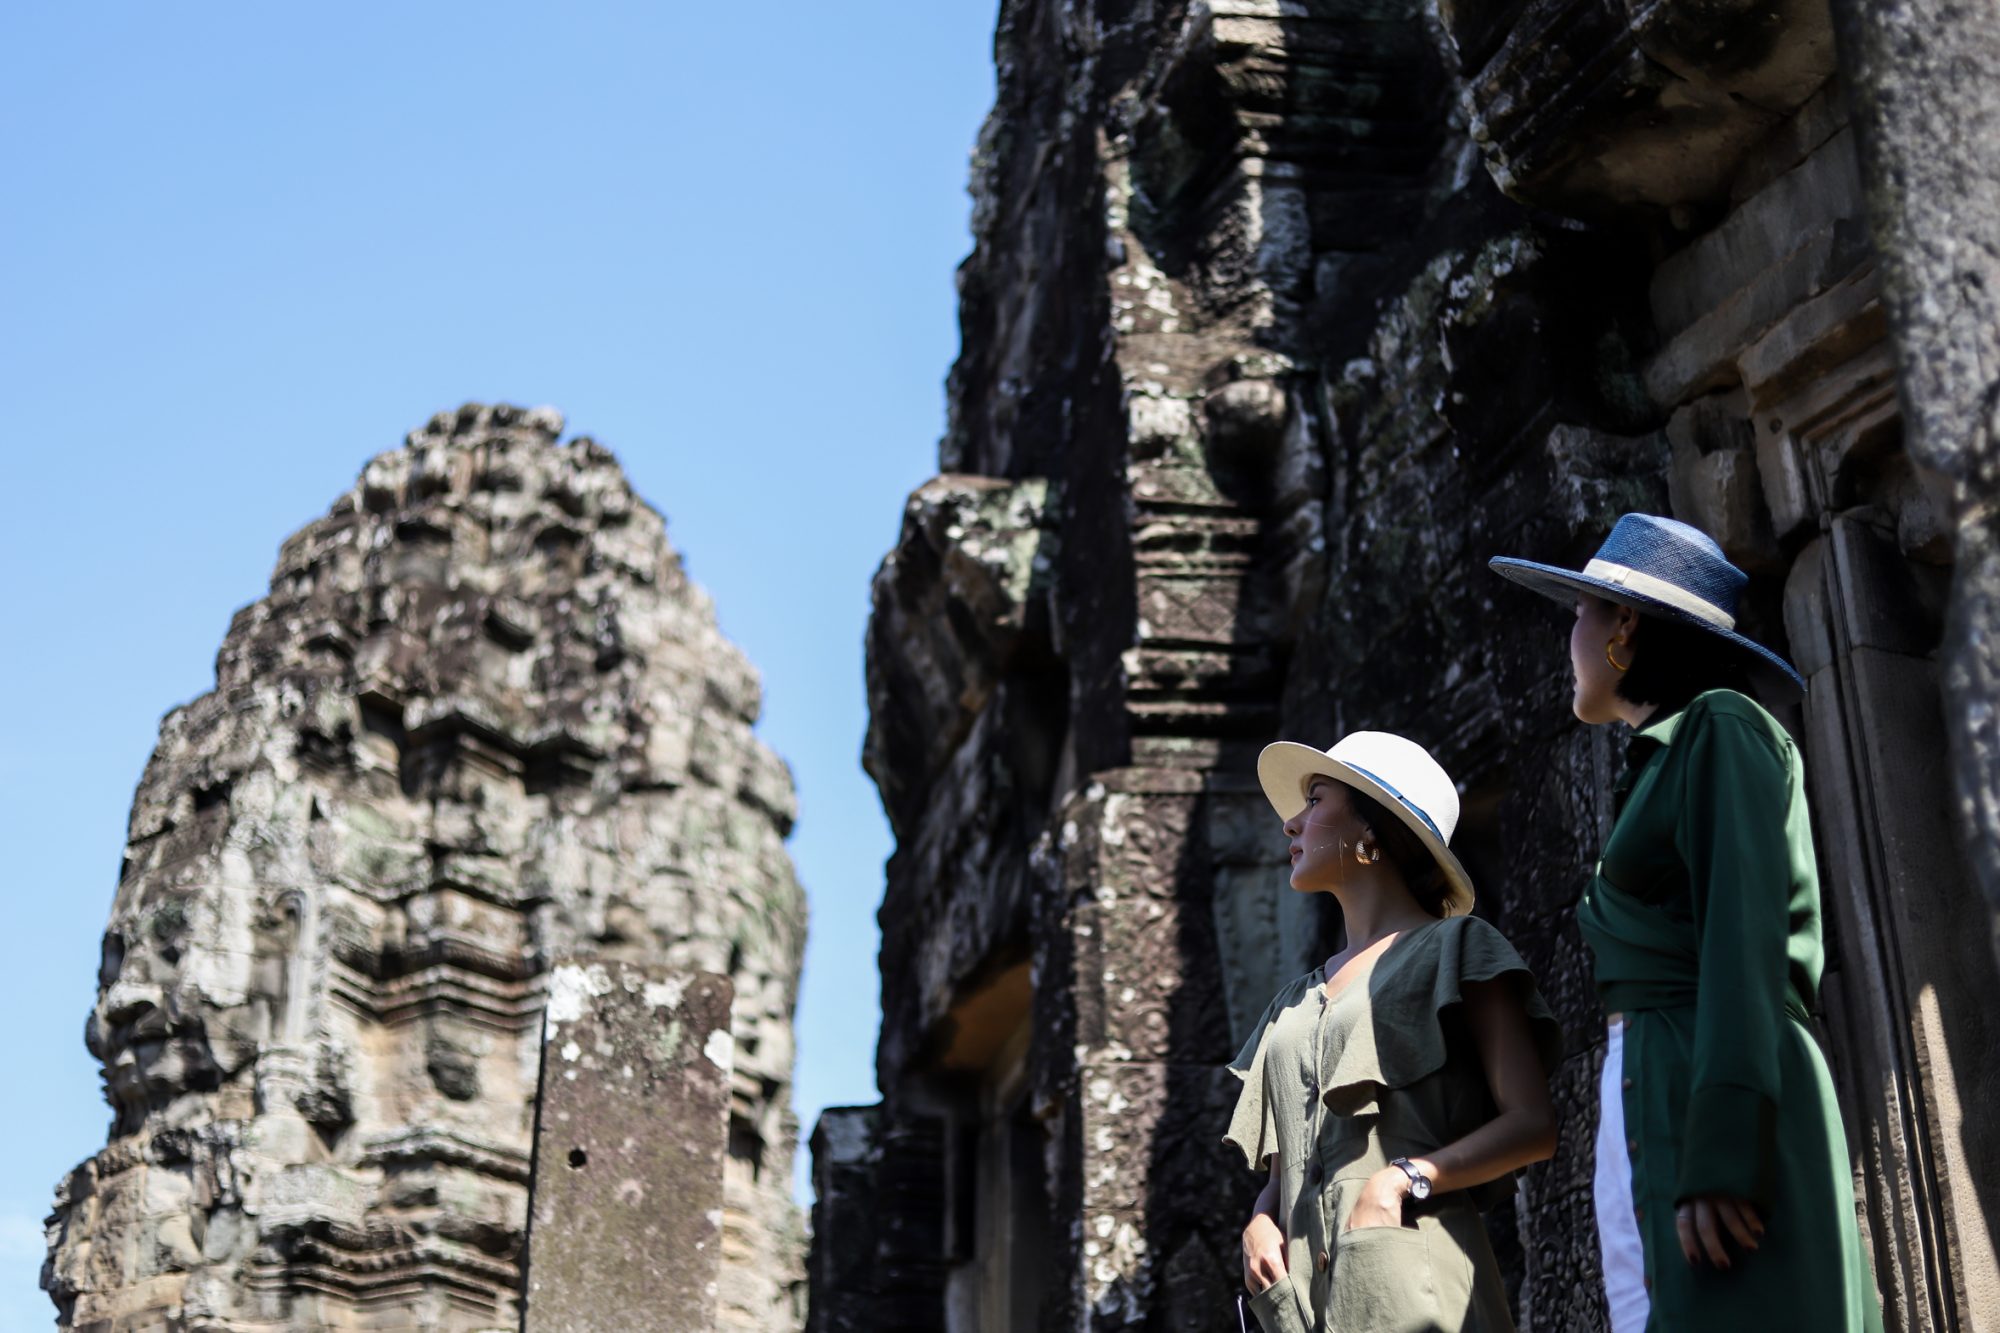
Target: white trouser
(1618, 1244)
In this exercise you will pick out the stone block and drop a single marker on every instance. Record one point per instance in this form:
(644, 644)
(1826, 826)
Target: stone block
(1145, 1120)
(1596, 476)
(1857, 438)
(951, 603)
(1787, 494)
(1702, 356)
(1589, 107)
(631, 1131)
(1892, 695)
(1722, 494)
(1165, 484)
(1712, 423)
(1191, 606)
(1246, 420)
(1763, 231)
(1147, 987)
(1879, 604)
(1823, 116)
(1266, 933)
(910, 1224)
(1241, 827)
(1813, 341)
(1161, 424)
(846, 1154)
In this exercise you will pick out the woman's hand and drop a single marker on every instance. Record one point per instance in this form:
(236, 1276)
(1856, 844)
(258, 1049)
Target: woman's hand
(1381, 1201)
(1263, 1253)
(1702, 1220)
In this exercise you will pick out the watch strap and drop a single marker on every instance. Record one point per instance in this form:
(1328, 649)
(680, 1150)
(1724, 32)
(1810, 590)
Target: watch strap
(1420, 1184)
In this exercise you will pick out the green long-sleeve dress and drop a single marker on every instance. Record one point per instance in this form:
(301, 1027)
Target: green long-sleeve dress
(1703, 923)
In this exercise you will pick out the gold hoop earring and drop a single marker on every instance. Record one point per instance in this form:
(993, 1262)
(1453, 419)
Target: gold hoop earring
(1366, 855)
(1622, 667)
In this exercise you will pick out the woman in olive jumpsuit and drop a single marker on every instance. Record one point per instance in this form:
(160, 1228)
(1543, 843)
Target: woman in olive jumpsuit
(1724, 1195)
(1389, 1093)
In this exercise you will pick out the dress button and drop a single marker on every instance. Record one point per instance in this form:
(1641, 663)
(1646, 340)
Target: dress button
(1633, 1146)
(1628, 1085)
(1323, 1259)
(1648, 1283)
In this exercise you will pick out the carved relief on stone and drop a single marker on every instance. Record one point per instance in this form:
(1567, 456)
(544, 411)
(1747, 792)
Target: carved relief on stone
(1591, 107)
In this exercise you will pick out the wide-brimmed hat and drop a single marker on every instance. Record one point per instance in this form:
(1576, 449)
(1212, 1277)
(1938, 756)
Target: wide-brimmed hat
(1399, 773)
(1662, 567)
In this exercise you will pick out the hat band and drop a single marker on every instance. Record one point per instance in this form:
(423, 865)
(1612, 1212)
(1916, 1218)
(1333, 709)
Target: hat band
(1405, 801)
(1672, 594)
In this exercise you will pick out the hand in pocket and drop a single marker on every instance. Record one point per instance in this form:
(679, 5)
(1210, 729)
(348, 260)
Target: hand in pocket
(1263, 1253)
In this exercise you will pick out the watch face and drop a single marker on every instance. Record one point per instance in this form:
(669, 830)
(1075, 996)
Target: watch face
(1420, 1187)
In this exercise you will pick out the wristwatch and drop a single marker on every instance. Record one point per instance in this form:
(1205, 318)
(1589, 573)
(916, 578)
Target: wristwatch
(1420, 1184)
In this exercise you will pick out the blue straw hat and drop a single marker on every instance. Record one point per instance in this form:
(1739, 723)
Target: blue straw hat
(1662, 567)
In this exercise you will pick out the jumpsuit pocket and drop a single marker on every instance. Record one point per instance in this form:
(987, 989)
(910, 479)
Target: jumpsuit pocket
(1382, 1282)
(1277, 1308)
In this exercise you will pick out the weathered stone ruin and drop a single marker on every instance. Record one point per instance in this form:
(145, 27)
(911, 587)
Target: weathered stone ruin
(482, 722)
(1282, 317)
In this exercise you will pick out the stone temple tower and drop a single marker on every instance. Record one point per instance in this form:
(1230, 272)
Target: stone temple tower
(482, 721)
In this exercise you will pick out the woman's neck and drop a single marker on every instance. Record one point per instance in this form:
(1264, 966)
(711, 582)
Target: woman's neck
(1634, 715)
(1373, 912)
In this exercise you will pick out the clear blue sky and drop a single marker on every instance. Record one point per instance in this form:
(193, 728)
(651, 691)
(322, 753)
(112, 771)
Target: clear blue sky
(245, 247)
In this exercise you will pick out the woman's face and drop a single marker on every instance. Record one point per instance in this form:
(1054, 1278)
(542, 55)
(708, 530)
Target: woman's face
(1324, 836)
(1598, 623)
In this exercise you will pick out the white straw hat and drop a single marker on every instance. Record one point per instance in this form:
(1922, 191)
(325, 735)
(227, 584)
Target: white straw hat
(1397, 772)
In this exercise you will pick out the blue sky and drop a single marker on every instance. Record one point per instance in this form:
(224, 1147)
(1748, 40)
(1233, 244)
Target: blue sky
(245, 247)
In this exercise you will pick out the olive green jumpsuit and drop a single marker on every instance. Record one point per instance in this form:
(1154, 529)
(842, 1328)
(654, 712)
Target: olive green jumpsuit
(1338, 1087)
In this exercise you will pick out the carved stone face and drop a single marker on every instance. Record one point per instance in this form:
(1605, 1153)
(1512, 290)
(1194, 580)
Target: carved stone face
(192, 977)
(153, 1046)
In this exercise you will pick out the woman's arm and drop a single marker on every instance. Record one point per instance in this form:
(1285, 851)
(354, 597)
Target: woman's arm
(1263, 1238)
(1524, 1131)
(1735, 836)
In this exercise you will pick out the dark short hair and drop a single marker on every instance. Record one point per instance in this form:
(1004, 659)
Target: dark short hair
(1421, 872)
(1672, 662)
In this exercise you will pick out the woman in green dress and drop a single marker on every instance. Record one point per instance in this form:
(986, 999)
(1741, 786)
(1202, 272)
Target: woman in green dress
(1389, 1094)
(1724, 1195)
